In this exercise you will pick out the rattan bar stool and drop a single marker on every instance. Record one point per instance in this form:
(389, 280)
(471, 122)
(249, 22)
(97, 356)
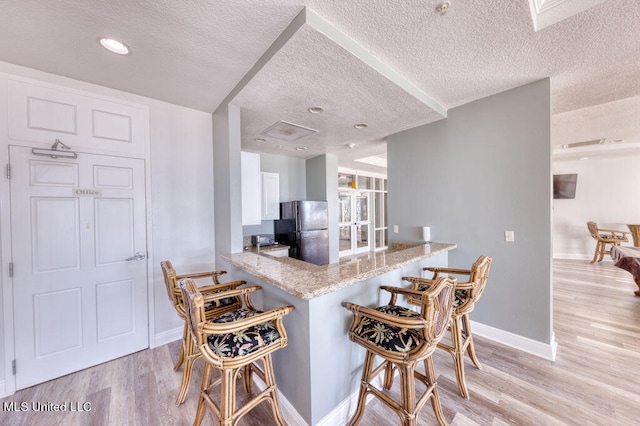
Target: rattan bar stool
(466, 295)
(188, 352)
(403, 338)
(233, 343)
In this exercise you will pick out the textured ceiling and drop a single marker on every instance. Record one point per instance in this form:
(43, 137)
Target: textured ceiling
(195, 53)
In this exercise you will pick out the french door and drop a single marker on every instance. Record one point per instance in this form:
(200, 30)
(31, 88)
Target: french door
(354, 222)
(79, 262)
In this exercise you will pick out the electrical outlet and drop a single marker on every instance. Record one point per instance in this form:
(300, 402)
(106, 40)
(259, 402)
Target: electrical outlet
(509, 236)
(395, 229)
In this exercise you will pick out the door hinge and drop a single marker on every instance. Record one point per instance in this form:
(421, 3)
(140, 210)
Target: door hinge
(13, 367)
(10, 269)
(8, 171)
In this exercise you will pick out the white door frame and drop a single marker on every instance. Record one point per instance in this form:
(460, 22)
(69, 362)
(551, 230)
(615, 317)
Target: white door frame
(8, 384)
(353, 223)
(7, 280)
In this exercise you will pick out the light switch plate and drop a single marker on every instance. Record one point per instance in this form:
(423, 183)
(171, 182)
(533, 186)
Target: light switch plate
(509, 236)
(395, 229)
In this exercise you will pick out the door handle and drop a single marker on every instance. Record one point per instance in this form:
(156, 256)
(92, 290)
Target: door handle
(138, 256)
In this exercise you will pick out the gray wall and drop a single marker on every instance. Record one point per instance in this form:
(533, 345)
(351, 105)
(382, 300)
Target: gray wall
(293, 180)
(226, 180)
(483, 170)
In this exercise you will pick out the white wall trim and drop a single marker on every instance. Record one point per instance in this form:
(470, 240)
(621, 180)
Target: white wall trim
(542, 350)
(342, 413)
(339, 416)
(291, 415)
(166, 337)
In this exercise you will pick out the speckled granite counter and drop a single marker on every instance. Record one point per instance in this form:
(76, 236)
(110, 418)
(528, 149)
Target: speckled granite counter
(307, 281)
(266, 249)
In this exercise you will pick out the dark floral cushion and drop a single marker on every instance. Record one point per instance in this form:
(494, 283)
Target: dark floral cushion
(461, 294)
(386, 336)
(242, 342)
(213, 304)
(612, 236)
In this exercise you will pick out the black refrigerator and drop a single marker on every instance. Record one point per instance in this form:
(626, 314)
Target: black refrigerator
(303, 226)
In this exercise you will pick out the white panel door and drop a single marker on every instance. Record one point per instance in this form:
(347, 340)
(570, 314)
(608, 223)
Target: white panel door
(80, 291)
(41, 112)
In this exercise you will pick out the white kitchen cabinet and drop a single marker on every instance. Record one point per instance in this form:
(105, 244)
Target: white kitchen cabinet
(251, 188)
(270, 196)
(278, 253)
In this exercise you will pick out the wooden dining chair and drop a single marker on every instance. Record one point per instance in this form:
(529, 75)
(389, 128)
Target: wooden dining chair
(604, 237)
(467, 294)
(403, 338)
(233, 343)
(188, 352)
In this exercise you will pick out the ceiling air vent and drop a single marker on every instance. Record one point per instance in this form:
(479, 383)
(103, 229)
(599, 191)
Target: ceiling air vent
(584, 143)
(289, 132)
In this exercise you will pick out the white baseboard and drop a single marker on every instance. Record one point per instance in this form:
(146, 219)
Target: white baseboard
(166, 337)
(543, 350)
(291, 415)
(341, 414)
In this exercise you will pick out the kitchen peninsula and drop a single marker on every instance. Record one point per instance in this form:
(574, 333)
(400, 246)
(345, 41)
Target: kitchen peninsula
(319, 371)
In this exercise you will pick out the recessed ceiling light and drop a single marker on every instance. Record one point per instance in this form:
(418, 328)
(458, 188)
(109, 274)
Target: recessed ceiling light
(260, 140)
(351, 145)
(443, 7)
(301, 148)
(359, 126)
(316, 110)
(584, 158)
(114, 46)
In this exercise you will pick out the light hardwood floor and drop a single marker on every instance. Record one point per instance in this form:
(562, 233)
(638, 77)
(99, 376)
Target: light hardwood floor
(594, 381)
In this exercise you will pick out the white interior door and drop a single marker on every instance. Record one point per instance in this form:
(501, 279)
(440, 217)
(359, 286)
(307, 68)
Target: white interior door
(80, 290)
(362, 223)
(354, 222)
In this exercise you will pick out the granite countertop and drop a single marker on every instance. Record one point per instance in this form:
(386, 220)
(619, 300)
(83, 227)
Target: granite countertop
(308, 281)
(265, 249)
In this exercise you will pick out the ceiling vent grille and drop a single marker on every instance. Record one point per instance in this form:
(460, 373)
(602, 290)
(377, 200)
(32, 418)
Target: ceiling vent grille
(584, 143)
(289, 132)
